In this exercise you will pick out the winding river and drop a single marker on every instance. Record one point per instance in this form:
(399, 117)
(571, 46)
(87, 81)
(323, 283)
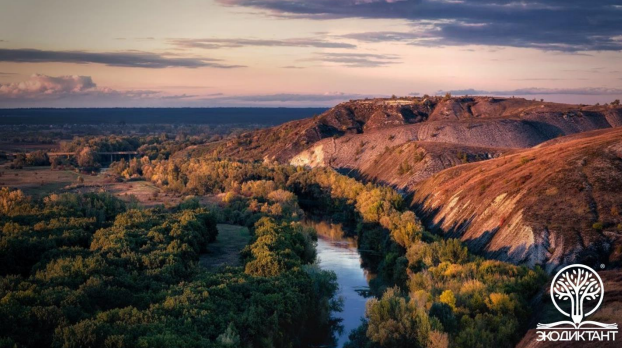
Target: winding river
(340, 255)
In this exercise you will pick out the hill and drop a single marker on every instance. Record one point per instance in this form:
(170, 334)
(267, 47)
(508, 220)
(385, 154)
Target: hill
(555, 204)
(518, 180)
(445, 132)
(472, 121)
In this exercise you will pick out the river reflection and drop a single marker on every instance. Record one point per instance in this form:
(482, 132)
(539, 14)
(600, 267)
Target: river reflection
(339, 254)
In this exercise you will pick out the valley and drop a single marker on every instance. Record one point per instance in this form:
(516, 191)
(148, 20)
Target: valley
(452, 211)
(481, 169)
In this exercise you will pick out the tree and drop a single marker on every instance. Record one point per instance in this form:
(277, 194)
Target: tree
(37, 158)
(577, 285)
(616, 102)
(448, 298)
(438, 340)
(86, 158)
(444, 313)
(19, 161)
(230, 337)
(395, 322)
(56, 161)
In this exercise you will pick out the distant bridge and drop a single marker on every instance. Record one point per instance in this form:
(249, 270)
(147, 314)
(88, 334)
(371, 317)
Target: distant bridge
(54, 154)
(112, 154)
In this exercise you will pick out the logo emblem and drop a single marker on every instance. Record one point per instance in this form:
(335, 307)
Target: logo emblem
(577, 291)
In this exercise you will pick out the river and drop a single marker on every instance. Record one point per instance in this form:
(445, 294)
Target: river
(340, 255)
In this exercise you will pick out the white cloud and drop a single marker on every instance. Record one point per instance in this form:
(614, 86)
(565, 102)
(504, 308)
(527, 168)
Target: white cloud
(40, 89)
(41, 85)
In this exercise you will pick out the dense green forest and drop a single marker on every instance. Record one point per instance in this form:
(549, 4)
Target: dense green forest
(88, 271)
(429, 289)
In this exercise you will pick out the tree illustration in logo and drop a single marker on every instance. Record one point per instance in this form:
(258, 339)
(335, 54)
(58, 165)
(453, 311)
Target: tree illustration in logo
(581, 286)
(578, 286)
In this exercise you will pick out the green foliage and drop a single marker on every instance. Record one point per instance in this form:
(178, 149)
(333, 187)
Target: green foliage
(87, 158)
(489, 297)
(445, 315)
(146, 262)
(448, 298)
(486, 299)
(372, 204)
(37, 158)
(278, 247)
(203, 176)
(82, 271)
(396, 321)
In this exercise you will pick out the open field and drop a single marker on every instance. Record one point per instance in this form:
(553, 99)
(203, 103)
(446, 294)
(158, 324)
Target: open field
(42, 181)
(27, 147)
(225, 251)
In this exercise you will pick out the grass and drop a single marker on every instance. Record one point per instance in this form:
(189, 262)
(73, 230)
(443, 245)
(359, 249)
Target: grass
(226, 250)
(40, 181)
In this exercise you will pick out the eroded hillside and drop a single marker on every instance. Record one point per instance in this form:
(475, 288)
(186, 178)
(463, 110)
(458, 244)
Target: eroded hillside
(555, 204)
(518, 180)
(400, 166)
(472, 121)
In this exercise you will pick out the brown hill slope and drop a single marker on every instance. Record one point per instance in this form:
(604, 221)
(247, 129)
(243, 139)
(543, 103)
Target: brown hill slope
(400, 166)
(283, 142)
(555, 204)
(473, 121)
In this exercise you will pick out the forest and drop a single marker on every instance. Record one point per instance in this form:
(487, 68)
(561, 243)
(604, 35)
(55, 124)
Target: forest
(87, 269)
(446, 293)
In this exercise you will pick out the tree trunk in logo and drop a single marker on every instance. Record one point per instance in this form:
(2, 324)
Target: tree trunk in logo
(577, 286)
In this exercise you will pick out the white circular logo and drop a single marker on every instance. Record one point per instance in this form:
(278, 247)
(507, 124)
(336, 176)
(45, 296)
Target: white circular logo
(580, 286)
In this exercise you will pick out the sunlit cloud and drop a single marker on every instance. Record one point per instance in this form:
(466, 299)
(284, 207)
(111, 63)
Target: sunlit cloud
(45, 87)
(80, 91)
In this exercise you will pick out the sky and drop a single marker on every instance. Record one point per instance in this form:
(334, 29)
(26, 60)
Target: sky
(213, 53)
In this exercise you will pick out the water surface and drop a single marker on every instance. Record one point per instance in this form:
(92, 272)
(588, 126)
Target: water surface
(340, 255)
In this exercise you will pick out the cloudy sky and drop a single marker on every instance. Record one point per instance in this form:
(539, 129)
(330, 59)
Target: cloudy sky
(80, 53)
